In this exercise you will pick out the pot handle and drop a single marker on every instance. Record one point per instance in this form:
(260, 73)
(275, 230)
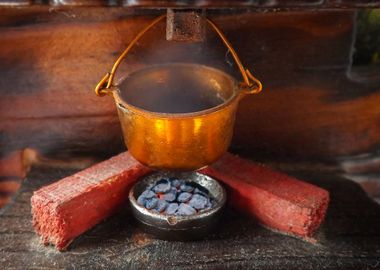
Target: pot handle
(103, 87)
(250, 84)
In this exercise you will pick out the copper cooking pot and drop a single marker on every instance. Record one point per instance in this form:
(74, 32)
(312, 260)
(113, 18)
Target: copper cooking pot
(177, 116)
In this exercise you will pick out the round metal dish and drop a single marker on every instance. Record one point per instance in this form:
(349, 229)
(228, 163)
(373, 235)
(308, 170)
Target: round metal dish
(170, 227)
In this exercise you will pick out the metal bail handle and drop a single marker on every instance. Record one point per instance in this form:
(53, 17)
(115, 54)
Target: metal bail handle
(250, 84)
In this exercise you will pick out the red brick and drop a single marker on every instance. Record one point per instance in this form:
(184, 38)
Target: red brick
(67, 208)
(276, 200)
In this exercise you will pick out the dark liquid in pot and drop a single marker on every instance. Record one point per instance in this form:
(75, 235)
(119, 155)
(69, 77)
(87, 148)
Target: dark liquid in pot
(176, 91)
(171, 98)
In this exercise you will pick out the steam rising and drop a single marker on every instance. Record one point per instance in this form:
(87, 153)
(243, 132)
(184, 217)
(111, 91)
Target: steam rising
(175, 90)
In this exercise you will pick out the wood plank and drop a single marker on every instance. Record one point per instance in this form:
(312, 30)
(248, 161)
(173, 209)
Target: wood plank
(349, 238)
(80, 2)
(284, 4)
(64, 137)
(15, 2)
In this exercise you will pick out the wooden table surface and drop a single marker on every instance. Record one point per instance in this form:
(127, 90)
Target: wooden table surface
(348, 239)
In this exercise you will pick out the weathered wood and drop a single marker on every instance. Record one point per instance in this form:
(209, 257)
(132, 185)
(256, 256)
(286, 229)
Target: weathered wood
(349, 238)
(80, 2)
(64, 136)
(320, 4)
(370, 183)
(13, 168)
(364, 169)
(15, 2)
(15, 164)
(361, 164)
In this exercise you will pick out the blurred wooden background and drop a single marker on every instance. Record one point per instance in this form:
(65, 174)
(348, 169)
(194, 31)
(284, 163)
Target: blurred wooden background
(315, 107)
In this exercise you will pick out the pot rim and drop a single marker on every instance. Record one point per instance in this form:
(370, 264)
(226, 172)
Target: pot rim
(123, 105)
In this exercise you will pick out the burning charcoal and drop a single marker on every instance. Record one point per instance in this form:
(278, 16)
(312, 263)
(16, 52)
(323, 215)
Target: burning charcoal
(164, 197)
(162, 186)
(141, 200)
(151, 203)
(170, 196)
(161, 206)
(172, 209)
(148, 194)
(184, 197)
(198, 201)
(187, 187)
(176, 182)
(186, 210)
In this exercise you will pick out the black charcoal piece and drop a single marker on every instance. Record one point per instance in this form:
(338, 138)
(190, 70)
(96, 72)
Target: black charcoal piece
(187, 187)
(151, 203)
(162, 186)
(176, 182)
(172, 209)
(148, 194)
(184, 197)
(185, 210)
(161, 206)
(141, 200)
(199, 202)
(170, 196)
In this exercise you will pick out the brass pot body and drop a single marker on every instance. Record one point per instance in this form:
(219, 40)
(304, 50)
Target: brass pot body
(177, 116)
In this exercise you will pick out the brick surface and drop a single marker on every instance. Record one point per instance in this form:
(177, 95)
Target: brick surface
(276, 200)
(67, 208)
